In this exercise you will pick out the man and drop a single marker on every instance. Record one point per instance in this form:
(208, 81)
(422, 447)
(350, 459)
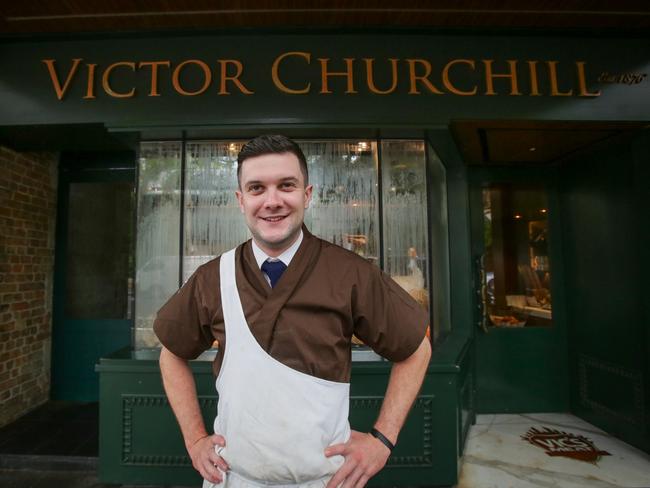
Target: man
(284, 337)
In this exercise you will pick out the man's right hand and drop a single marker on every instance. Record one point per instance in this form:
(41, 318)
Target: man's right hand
(205, 458)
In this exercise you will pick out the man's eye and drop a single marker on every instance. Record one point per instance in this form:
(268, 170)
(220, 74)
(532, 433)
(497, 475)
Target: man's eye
(288, 185)
(255, 188)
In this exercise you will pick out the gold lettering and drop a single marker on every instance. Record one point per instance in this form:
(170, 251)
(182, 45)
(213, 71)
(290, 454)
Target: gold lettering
(106, 77)
(326, 74)
(582, 82)
(276, 78)
(90, 88)
(60, 90)
(511, 75)
(552, 72)
(534, 85)
(414, 78)
(447, 82)
(153, 92)
(370, 76)
(235, 78)
(207, 77)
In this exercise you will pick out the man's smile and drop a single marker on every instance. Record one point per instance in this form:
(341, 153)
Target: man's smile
(275, 218)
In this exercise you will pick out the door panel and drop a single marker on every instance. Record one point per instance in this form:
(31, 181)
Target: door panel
(93, 273)
(605, 207)
(520, 336)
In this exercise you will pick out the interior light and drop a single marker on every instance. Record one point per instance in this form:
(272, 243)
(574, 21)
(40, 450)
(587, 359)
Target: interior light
(543, 210)
(532, 149)
(517, 216)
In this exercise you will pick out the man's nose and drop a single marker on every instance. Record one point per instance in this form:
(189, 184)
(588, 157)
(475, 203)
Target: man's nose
(273, 198)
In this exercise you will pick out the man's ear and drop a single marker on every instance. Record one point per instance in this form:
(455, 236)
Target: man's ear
(240, 200)
(308, 193)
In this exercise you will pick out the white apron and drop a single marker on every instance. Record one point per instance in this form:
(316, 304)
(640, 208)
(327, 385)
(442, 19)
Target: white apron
(276, 421)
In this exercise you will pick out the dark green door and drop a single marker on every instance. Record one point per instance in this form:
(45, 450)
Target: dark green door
(605, 197)
(521, 349)
(93, 269)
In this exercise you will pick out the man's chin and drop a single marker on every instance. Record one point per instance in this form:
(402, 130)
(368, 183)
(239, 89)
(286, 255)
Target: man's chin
(277, 242)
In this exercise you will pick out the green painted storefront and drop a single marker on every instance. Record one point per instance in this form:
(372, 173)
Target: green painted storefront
(93, 97)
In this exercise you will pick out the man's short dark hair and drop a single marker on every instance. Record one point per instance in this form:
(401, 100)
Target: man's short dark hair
(271, 144)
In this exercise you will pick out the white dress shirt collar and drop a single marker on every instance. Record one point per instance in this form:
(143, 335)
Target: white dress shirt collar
(285, 257)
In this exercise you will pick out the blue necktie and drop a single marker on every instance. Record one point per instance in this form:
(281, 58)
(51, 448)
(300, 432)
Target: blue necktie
(273, 270)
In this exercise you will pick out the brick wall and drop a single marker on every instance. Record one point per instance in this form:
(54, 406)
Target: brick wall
(27, 223)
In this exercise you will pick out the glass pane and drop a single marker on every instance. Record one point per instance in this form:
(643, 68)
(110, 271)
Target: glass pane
(405, 230)
(517, 267)
(213, 221)
(98, 251)
(344, 203)
(157, 250)
(438, 221)
(344, 210)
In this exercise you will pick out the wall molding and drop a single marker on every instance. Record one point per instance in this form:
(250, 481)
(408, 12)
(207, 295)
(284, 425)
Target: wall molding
(131, 402)
(423, 407)
(634, 378)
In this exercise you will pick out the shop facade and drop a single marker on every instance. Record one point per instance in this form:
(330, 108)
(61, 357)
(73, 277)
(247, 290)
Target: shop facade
(502, 181)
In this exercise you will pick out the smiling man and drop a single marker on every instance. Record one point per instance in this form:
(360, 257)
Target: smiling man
(284, 306)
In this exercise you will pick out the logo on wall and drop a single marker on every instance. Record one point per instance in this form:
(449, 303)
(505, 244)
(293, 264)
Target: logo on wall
(558, 443)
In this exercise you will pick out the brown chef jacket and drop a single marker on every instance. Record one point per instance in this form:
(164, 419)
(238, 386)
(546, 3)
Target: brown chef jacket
(306, 322)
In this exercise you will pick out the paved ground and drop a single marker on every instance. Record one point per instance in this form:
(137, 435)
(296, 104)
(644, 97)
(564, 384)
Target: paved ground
(49, 479)
(54, 429)
(52, 471)
(54, 446)
(499, 454)
(26, 478)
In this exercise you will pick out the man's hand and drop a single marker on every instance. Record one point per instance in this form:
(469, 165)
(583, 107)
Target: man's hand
(364, 457)
(206, 460)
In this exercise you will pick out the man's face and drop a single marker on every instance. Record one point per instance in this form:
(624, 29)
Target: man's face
(273, 199)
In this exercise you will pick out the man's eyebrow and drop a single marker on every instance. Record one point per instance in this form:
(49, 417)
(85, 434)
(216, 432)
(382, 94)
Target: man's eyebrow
(252, 182)
(292, 179)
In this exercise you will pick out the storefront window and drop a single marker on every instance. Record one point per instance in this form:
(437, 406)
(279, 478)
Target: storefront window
(438, 219)
(404, 200)
(345, 210)
(157, 249)
(344, 203)
(212, 222)
(517, 266)
(98, 250)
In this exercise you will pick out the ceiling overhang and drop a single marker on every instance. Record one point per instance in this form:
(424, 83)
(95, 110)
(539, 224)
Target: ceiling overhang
(490, 142)
(544, 16)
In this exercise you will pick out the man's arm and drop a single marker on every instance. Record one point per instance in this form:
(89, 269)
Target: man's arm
(364, 454)
(403, 386)
(181, 392)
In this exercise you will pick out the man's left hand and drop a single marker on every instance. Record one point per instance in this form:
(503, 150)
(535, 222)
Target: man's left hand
(364, 457)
